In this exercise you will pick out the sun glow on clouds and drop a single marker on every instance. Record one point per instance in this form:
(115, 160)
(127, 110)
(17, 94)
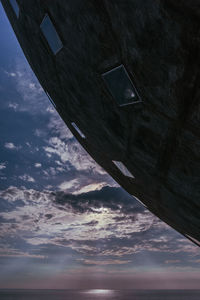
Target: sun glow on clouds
(74, 184)
(31, 217)
(91, 187)
(67, 185)
(41, 217)
(81, 227)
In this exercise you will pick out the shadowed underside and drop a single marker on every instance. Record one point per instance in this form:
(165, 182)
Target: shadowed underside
(124, 76)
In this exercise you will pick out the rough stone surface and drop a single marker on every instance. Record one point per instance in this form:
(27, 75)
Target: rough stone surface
(158, 42)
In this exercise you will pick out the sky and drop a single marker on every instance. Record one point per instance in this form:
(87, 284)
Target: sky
(64, 222)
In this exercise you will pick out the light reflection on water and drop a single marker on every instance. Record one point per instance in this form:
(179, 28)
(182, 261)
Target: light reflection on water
(100, 292)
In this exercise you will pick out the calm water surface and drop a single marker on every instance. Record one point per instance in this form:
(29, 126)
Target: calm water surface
(99, 294)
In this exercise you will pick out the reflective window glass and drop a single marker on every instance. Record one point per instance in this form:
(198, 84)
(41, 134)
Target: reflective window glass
(52, 102)
(78, 130)
(123, 169)
(15, 7)
(120, 86)
(51, 34)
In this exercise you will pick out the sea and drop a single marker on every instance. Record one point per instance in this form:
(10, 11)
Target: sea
(99, 294)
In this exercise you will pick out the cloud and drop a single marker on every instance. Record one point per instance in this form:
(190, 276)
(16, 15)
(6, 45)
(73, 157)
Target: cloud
(38, 165)
(75, 213)
(10, 146)
(58, 128)
(197, 261)
(75, 186)
(2, 166)
(91, 187)
(83, 173)
(32, 97)
(108, 197)
(55, 138)
(104, 262)
(14, 106)
(10, 74)
(172, 261)
(49, 216)
(14, 253)
(68, 185)
(91, 223)
(27, 177)
(28, 85)
(72, 152)
(103, 227)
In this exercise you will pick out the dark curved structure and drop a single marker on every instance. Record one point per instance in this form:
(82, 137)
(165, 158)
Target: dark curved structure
(124, 76)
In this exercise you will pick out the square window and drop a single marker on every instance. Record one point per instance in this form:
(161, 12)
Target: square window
(78, 130)
(123, 169)
(120, 86)
(15, 7)
(51, 34)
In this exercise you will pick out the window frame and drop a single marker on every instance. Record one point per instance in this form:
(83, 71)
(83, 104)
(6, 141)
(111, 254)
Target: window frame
(137, 96)
(16, 8)
(81, 134)
(51, 100)
(56, 32)
(123, 169)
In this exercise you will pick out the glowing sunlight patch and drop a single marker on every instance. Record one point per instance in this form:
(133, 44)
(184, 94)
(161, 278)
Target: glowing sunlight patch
(90, 187)
(100, 292)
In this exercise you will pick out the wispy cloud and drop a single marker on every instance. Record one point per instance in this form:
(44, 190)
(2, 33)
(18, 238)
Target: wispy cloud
(86, 223)
(38, 165)
(11, 146)
(172, 261)
(27, 177)
(13, 106)
(2, 165)
(32, 96)
(104, 262)
(10, 74)
(72, 152)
